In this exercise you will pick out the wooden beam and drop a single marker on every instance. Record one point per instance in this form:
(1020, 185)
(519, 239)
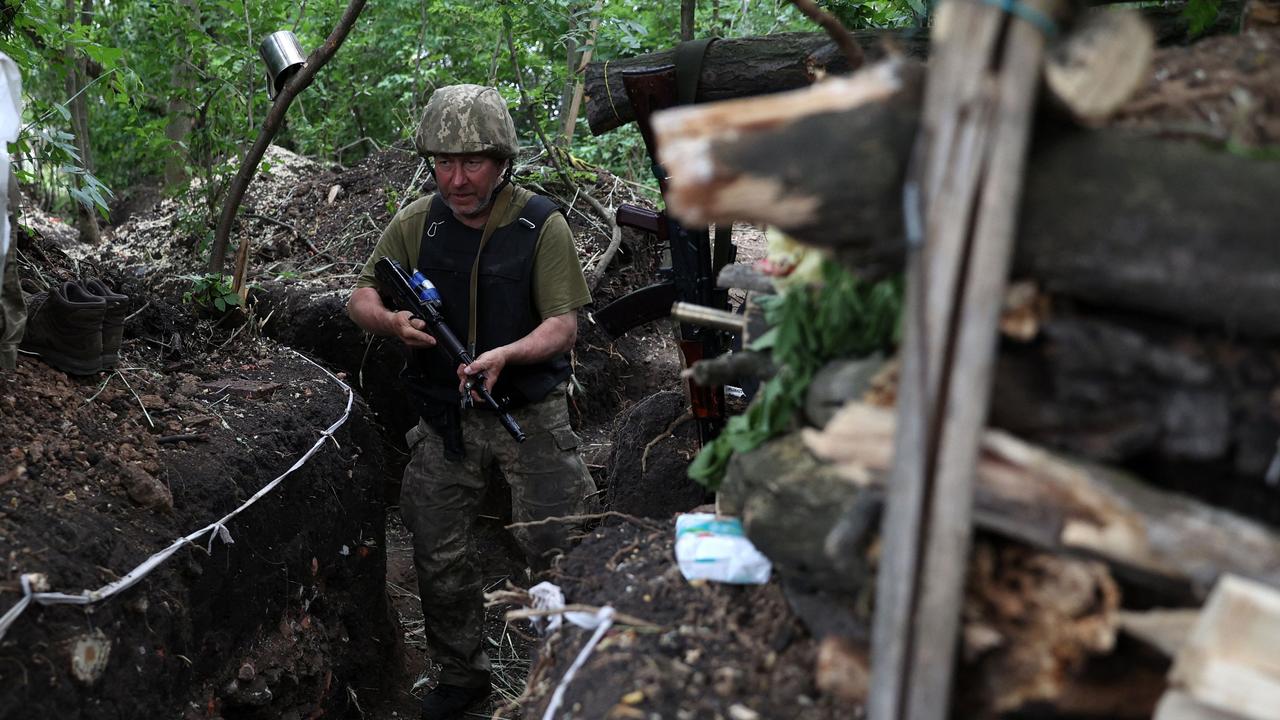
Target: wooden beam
(739, 67)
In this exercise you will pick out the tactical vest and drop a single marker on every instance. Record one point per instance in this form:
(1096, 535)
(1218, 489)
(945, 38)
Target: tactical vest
(504, 302)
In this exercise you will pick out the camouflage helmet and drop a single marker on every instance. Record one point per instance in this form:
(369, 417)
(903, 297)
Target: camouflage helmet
(462, 119)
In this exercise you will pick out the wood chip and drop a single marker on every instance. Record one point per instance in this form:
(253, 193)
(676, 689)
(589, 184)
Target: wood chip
(252, 389)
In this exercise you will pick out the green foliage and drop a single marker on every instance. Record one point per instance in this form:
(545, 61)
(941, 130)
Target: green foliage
(211, 292)
(877, 13)
(841, 317)
(178, 88)
(1201, 15)
(41, 40)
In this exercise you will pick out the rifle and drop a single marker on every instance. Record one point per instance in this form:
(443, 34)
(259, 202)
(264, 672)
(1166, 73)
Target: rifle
(690, 274)
(419, 296)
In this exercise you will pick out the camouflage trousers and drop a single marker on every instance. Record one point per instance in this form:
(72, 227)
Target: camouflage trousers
(439, 500)
(13, 309)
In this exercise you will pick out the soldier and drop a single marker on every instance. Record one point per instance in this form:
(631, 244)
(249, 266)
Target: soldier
(506, 255)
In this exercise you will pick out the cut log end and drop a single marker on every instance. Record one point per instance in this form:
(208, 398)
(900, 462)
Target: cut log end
(1101, 64)
(702, 147)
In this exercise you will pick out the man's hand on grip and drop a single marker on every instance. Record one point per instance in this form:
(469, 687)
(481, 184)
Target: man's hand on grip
(412, 331)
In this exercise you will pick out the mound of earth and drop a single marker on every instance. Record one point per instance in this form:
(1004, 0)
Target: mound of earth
(710, 650)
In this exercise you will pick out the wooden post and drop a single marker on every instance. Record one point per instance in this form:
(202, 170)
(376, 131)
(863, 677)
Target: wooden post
(961, 200)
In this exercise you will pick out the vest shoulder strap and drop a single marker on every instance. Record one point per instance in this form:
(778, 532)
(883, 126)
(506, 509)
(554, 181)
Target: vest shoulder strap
(537, 210)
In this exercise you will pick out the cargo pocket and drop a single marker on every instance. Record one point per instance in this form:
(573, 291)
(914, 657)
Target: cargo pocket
(566, 439)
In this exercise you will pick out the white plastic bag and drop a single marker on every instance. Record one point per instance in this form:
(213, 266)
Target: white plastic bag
(715, 548)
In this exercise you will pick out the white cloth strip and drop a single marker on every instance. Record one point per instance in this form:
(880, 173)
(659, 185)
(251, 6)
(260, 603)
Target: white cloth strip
(216, 528)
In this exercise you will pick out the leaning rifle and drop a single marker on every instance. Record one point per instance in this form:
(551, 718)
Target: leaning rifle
(416, 294)
(690, 276)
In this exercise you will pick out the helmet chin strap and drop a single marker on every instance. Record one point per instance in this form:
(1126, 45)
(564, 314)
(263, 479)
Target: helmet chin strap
(506, 180)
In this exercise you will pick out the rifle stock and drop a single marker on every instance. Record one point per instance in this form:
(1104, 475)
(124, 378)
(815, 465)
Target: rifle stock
(633, 216)
(636, 308)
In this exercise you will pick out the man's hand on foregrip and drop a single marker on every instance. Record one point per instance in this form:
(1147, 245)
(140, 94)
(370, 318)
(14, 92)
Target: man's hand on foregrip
(488, 366)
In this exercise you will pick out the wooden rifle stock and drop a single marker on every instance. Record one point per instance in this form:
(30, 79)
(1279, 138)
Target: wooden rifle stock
(643, 219)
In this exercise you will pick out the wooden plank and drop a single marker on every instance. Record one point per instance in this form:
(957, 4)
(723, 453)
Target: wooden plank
(972, 147)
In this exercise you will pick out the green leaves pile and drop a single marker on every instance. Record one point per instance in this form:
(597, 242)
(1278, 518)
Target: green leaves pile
(812, 325)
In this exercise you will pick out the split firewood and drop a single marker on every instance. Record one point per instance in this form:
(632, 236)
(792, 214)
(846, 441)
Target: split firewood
(1158, 539)
(1229, 662)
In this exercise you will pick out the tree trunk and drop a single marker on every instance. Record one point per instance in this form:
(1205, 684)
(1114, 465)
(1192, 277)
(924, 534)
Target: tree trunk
(182, 85)
(571, 117)
(687, 10)
(77, 78)
(567, 92)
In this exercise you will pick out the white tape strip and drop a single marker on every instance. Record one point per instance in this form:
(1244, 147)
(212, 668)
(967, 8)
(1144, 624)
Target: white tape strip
(604, 616)
(215, 529)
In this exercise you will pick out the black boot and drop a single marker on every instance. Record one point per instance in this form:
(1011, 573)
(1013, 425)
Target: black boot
(447, 702)
(64, 327)
(112, 320)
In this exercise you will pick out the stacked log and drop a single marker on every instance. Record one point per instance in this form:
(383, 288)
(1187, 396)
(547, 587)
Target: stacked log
(1154, 290)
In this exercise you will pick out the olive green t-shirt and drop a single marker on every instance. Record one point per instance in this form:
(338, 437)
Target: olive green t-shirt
(558, 284)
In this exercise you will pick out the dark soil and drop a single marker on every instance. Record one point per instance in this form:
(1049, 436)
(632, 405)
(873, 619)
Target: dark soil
(654, 442)
(96, 476)
(718, 651)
